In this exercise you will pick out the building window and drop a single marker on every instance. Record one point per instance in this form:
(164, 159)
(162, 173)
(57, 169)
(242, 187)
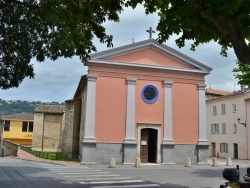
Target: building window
(223, 109)
(214, 110)
(224, 128)
(25, 126)
(234, 108)
(224, 147)
(215, 128)
(30, 126)
(7, 126)
(234, 128)
(149, 94)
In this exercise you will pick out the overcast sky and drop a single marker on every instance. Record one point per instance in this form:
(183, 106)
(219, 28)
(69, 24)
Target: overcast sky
(58, 80)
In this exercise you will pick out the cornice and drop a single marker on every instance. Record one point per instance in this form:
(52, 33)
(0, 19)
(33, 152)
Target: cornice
(145, 67)
(151, 43)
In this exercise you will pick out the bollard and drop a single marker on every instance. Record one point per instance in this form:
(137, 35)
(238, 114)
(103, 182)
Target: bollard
(229, 162)
(112, 163)
(138, 162)
(214, 162)
(188, 162)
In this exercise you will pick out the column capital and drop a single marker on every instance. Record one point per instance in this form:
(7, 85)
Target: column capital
(201, 86)
(167, 84)
(131, 81)
(91, 77)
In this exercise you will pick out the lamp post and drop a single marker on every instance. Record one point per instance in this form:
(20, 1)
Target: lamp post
(1, 136)
(240, 122)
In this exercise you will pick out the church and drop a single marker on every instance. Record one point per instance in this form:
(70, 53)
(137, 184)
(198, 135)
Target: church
(142, 100)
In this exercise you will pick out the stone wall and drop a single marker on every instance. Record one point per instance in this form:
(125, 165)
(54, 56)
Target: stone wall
(47, 133)
(38, 132)
(67, 133)
(70, 137)
(76, 128)
(9, 148)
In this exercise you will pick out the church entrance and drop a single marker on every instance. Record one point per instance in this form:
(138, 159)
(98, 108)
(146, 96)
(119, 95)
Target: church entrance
(148, 145)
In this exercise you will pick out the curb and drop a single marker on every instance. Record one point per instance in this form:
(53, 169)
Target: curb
(41, 161)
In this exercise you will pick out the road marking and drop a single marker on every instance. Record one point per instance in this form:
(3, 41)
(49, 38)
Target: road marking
(105, 178)
(58, 171)
(67, 168)
(110, 182)
(128, 186)
(94, 175)
(84, 173)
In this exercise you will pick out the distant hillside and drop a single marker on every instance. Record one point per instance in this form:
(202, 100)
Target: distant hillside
(16, 106)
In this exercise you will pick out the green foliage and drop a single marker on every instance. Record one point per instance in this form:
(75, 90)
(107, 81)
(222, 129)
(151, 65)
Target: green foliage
(17, 106)
(46, 155)
(51, 29)
(225, 22)
(242, 74)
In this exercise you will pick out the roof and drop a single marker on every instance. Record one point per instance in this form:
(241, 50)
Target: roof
(101, 58)
(217, 92)
(232, 94)
(80, 86)
(20, 116)
(51, 109)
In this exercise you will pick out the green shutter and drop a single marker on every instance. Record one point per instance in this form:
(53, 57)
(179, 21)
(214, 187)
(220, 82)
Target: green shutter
(226, 147)
(224, 128)
(212, 129)
(220, 147)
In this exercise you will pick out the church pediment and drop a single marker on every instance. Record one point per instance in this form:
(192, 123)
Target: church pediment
(150, 56)
(148, 53)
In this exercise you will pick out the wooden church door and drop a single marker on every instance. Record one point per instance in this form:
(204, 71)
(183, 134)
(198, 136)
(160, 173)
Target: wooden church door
(148, 145)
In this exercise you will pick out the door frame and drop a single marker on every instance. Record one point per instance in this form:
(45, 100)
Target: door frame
(141, 126)
(213, 148)
(236, 152)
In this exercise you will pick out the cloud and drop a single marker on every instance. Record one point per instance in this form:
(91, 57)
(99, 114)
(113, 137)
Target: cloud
(57, 81)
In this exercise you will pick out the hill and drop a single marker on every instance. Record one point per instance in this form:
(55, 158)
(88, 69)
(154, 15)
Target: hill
(17, 106)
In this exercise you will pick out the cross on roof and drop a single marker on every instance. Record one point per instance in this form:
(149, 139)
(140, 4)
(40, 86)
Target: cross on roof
(150, 31)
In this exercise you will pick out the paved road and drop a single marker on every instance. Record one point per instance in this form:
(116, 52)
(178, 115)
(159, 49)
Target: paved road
(16, 173)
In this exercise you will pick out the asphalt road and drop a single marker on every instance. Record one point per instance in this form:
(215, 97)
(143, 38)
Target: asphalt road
(16, 173)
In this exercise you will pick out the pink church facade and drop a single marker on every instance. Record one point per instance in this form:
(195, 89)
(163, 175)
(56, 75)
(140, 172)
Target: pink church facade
(143, 100)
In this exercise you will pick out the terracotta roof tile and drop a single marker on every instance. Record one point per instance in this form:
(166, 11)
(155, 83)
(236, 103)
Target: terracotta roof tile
(217, 92)
(52, 109)
(20, 116)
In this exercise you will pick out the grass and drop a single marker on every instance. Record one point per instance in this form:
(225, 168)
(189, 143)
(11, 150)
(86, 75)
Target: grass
(46, 155)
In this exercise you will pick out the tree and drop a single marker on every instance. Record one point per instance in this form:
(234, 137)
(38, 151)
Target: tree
(226, 22)
(242, 73)
(51, 29)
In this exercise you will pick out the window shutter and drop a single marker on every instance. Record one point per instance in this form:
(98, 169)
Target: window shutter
(212, 131)
(220, 147)
(224, 128)
(217, 128)
(226, 147)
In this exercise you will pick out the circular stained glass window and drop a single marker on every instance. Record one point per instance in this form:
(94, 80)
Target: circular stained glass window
(149, 94)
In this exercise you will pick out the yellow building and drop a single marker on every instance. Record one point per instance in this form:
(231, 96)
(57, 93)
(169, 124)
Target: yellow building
(18, 128)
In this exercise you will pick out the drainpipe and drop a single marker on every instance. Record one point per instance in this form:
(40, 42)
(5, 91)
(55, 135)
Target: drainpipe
(1, 132)
(43, 131)
(247, 131)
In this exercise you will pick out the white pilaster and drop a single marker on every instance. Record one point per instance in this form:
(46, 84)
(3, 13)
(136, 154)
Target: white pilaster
(202, 116)
(130, 113)
(89, 128)
(168, 127)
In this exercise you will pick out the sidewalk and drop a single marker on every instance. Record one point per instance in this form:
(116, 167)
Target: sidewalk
(220, 162)
(26, 156)
(223, 162)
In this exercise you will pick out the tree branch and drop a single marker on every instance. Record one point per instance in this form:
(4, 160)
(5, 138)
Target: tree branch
(231, 28)
(34, 6)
